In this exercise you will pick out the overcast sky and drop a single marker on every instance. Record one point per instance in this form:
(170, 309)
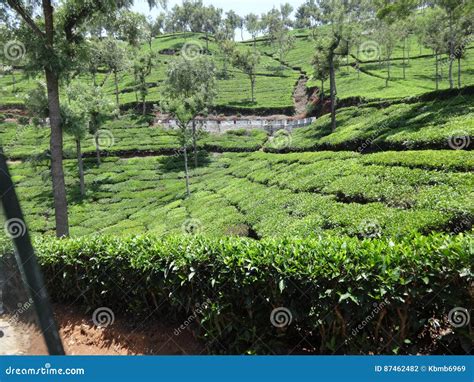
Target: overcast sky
(242, 7)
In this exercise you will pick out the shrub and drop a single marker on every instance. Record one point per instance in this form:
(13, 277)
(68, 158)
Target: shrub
(2, 117)
(343, 295)
(23, 120)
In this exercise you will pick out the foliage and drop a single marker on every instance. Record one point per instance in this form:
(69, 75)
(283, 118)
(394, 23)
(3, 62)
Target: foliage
(269, 195)
(329, 287)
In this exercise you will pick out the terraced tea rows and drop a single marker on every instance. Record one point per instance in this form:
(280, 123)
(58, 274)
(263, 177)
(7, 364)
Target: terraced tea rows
(260, 194)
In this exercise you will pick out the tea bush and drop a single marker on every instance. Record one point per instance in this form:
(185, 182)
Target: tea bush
(342, 295)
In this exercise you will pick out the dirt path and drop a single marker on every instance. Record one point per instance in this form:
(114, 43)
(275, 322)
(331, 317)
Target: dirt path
(300, 96)
(13, 339)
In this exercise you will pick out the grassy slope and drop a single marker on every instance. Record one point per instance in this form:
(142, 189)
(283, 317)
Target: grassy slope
(416, 125)
(292, 194)
(370, 83)
(274, 88)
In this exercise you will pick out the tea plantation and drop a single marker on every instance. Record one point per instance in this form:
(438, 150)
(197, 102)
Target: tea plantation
(325, 223)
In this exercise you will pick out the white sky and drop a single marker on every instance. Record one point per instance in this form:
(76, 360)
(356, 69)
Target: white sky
(241, 7)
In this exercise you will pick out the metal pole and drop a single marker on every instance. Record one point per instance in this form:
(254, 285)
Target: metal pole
(27, 262)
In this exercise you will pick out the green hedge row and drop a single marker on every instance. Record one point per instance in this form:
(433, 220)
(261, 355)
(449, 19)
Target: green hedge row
(342, 295)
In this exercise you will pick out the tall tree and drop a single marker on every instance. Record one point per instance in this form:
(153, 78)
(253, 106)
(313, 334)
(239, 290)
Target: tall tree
(253, 26)
(114, 56)
(226, 47)
(321, 68)
(433, 32)
(285, 11)
(454, 10)
(212, 18)
(189, 91)
(74, 123)
(307, 16)
(96, 107)
(247, 61)
(338, 16)
(284, 42)
(232, 22)
(142, 68)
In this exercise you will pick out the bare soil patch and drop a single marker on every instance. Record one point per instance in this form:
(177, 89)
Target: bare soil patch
(81, 337)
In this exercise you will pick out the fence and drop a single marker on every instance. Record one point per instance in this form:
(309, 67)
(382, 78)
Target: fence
(221, 126)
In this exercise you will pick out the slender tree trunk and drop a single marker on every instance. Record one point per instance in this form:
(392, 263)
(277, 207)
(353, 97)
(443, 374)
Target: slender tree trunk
(56, 147)
(451, 51)
(388, 72)
(408, 51)
(186, 170)
(80, 165)
(56, 138)
(358, 63)
(347, 57)
(459, 72)
(322, 90)
(94, 78)
(97, 147)
(404, 48)
(225, 67)
(207, 41)
(252, 86)
(143, 105)
(332, 85)
(195, 152)
(14, 80)
(136, 84)
(117, 101)
(437, 70)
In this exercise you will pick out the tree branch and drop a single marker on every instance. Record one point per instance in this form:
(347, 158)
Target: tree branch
(15, 5)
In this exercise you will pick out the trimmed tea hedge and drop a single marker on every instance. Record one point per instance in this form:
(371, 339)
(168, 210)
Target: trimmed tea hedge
(343, 295)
